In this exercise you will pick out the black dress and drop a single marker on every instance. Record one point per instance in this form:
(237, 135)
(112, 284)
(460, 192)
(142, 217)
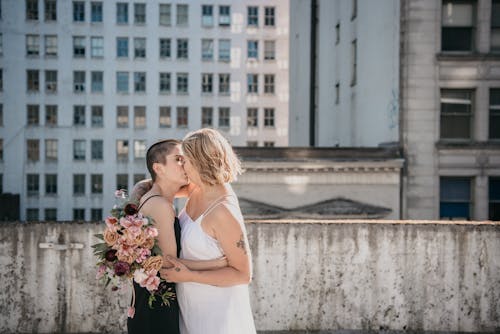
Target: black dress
(159, 319)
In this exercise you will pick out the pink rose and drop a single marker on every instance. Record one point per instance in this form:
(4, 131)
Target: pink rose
(134, 231)
(142, 254)
(151, 232)
(125, 222)
(100, 271)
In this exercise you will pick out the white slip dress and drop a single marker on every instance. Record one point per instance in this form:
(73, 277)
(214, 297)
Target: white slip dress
(207, 309)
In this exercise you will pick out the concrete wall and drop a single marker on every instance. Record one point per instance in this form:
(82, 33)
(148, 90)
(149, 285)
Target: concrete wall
(314, 276)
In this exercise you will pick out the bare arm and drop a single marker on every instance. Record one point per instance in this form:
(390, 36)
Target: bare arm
(204, 264)
(163, 214)
(233, 241)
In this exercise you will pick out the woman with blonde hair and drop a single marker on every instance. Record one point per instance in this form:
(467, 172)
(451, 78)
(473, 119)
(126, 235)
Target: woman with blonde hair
(212, 301)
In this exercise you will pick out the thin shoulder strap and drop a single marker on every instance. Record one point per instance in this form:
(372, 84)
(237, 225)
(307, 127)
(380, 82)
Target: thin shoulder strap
(218, 201)
(147, 199)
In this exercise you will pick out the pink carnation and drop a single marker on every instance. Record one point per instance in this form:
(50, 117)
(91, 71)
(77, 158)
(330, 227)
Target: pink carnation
(142, 255)
(151, 232)
(151, 283)
(125, 222)
(100, 271)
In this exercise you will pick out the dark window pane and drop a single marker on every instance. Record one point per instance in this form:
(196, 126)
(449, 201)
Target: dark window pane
(455, 189)
(455, 127)
(454, 210)
(456, 39)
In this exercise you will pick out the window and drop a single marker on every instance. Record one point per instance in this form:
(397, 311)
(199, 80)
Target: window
(51, 115)
(224, 117)
(456, 114)
(122, 150)
(207, 15)
(182, 49)
(165, 82)
(182, 15)
(495, 26)
(140, 13)
(224, 16)
(78, 184)
(269, 50)
(51, 184)
(32, 45)
(78, 214)
(50, 81)
(253, 16)
(1, 155)
(122, 117)
(1, 80)
(32, 184)
(33, 114)
(165, 15)
(97, 47)
(79, 81)
(51, 149)
(122, 47)
(494, 119)
(224, 83)
(269, 83)
(96, 183)
(207, 115)
(78, 46)
(79, 149)
(50, 214)
(252, 143)
(457, 30)
(206, 83)
(95, 215)
(122, 181)
(182, 83)
(97, 117)
(165, 48)
(140, 82)
(252, 118)
(50, 7)
(32, 215)
(96, 11)
(207, 49)
(165, 119)
(139, 149)
(268, 144)
(140, 47)
(337, 34)
(354, 62)
(122, 82)
(455, 198)
(224, 49)
(122, 13)
(139, 177)
(97, 81)
(139, 117)
(33, 80)
(51, 45)
(31, 9)
(252, 83)
(269, 117)
(494, 198)
(253, 50)
(33, 151)
(182, 117)
(1, 116)
(1, 44)
(269, 16)
(78, 11)
(96, 149)
(79, 115)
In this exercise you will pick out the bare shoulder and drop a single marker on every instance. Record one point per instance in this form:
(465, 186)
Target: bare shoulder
(158, 207)
(225, 215)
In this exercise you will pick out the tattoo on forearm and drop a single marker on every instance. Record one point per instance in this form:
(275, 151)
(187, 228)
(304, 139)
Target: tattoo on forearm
(241, 244)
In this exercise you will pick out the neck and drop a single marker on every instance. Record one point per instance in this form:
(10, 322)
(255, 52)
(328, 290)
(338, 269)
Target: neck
(164, 190)
(212, 190)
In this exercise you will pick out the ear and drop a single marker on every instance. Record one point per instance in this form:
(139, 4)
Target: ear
(158, 168)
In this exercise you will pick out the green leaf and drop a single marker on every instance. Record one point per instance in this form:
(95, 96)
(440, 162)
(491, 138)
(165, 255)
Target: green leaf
(99, 236)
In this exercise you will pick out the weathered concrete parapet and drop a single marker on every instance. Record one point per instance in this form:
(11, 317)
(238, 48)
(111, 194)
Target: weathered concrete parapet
(314, 275)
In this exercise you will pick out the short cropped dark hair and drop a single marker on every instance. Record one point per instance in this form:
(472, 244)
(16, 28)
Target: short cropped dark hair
(157, 153)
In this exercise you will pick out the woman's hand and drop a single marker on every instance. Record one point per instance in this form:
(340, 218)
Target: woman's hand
(178, 272)
(140, 188)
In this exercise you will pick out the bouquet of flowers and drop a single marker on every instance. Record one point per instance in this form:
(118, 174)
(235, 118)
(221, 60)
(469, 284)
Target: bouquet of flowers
(130, 251)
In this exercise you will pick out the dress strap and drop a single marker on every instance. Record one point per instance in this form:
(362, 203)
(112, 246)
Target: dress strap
(147, 199)
(215, 203)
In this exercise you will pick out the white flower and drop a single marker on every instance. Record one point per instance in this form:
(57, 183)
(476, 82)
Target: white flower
(140, 275)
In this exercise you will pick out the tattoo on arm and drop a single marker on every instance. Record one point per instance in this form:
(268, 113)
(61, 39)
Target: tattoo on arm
(241, 244)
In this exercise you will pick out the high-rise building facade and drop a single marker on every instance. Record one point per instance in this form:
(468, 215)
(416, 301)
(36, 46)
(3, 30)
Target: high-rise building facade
(87, 86)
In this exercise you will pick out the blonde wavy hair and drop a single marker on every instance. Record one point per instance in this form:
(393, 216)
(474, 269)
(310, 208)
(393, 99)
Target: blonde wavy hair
(212, 156)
